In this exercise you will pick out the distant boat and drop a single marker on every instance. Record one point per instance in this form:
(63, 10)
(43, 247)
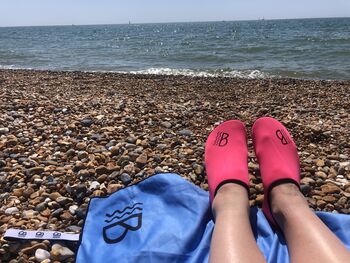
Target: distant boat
(129, 23)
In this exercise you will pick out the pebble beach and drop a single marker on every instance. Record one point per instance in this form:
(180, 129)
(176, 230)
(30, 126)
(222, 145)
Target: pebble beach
(68, 136)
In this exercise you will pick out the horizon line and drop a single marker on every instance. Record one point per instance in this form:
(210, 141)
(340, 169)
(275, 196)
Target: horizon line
(174, 22)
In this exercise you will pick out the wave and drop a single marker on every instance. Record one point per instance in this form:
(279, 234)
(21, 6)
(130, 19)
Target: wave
(227, 73)
(126, 213)
(8, 67)
(245, 74)
(122, 211)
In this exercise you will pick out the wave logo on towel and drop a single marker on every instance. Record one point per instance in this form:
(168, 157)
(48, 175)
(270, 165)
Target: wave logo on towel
(120, 222)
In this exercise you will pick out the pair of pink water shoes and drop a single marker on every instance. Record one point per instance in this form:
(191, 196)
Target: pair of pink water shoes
(226, 157)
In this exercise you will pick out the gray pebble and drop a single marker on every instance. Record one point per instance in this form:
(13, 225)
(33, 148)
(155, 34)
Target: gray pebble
(4, 130)
(125, 178)
(11, 210)
(57, 212)
(87, 122)
(40, 207)
(166, 124)
(185, 132)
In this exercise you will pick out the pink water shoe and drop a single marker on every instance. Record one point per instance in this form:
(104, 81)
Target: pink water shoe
(277, 156)
(226, 156)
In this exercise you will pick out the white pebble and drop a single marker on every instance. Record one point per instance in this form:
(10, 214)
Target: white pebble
(94, 185)
(41, 255)
(11, 210)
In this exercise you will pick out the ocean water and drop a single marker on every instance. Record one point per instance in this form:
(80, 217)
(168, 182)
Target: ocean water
(301, 48)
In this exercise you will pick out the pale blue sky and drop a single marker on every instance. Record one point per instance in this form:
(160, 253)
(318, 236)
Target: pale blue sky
(66, 12)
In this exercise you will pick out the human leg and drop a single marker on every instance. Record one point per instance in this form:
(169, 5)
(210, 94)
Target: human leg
(308, 239)
(233, 239)
(226, 165)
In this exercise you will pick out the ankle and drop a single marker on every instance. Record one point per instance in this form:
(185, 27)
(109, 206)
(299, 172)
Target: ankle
(286, 198)
(230, 197)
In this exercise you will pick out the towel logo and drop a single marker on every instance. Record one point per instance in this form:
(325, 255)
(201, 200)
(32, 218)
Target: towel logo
(39, 234)
(281, 135)
(128, 219)
(56, 235)
(221, 139)
(22, 233)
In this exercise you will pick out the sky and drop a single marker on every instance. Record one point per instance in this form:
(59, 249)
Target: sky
(84, 12)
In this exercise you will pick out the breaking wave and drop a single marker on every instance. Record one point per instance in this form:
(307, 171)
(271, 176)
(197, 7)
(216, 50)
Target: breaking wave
(245, 74)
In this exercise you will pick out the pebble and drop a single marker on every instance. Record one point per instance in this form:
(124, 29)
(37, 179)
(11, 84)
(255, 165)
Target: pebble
(125, 178)
(82, 155)
(31, 249)
(55, 145)
(73, 228)
(114, 187)
(141, 161)
(2, 163)
(305, 189)
(321, 174)
(62, 200)
(94, 185)
(307, 181)
(166, 124)
(59, 252)
(53, 196)
(4, 131)
(130, 168)
(80, 145)
(57, 212)
(40, 207)
(102, 170)
(330, 189)
(80, 212)
(198, 169)
(185, 132)
(42, 254)
(36, 170)
(320, 163)
(72, 209)
(87, 122)
(329, 199)
(11, 211)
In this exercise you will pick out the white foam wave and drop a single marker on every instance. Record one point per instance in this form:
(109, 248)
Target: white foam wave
(245, 74)
(8, 67)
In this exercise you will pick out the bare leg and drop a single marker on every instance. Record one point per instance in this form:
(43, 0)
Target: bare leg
(233, 239)
(308, 238)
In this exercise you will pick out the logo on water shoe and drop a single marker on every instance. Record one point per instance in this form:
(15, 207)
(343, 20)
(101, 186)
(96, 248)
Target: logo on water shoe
(221, 139)
(282, 136)
(128, 219)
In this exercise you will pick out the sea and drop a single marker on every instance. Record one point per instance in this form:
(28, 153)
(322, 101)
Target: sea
(297, 48)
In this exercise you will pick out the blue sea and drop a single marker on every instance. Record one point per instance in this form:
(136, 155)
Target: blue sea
(300, 48)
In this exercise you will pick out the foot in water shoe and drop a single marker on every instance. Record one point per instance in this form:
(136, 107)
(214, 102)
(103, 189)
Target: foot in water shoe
(226, 156)
(277, 156)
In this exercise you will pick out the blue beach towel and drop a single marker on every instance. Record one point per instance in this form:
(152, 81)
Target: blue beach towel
(167, 219)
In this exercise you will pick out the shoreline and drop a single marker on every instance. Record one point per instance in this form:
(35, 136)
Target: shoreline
(98, 132)
(145, 75)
